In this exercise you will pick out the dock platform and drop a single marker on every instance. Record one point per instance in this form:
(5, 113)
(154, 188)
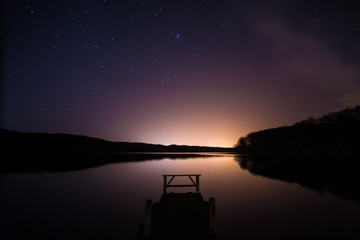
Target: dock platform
(180, 215)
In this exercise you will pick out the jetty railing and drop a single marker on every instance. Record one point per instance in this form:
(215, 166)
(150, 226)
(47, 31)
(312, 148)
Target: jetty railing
(195, 183)
(178, 207)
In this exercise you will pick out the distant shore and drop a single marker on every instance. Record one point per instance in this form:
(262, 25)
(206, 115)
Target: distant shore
(44, 152)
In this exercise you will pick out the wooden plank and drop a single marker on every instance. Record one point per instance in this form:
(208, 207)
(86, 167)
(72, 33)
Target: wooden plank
(183, 175)
(178, 185)
(181, 214)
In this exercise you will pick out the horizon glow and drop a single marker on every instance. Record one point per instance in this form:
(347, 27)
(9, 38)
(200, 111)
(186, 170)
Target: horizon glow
(193, 73)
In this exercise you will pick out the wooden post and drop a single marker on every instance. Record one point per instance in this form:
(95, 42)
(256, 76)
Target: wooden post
(165, 184)
(212, 216)
(197, 184)
(147, 220)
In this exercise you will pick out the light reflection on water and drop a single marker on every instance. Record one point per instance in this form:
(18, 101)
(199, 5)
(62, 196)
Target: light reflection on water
(108, 202)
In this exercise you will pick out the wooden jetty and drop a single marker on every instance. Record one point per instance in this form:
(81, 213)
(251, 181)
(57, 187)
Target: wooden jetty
(179, 215)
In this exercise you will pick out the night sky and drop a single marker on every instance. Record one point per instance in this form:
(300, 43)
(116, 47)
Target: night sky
(175, 72)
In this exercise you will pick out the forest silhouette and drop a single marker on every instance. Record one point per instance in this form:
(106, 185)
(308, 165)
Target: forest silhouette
(45, 152)
(332, 135)
(318, 153)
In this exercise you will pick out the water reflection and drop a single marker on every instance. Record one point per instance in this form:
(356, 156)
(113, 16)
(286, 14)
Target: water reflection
(340, 181)
(107, 202)
(63, 162)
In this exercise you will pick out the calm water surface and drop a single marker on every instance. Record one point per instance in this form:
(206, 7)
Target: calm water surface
(108, 202)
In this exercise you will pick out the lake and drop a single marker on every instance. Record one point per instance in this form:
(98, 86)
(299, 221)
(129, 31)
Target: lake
(108, 202)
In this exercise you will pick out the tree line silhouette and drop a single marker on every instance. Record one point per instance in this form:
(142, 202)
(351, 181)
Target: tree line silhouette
(319, 153)
(334, 134)
(37, 152)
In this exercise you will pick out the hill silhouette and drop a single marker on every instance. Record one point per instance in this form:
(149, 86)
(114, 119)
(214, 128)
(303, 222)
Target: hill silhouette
(36, 152)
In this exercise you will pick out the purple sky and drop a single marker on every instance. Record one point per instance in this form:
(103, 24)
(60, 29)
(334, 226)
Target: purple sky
(176, 72)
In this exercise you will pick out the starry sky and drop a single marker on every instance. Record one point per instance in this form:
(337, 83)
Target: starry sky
(175, 72)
